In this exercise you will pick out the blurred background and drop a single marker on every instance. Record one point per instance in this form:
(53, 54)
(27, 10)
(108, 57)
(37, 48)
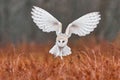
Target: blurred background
(17, 26)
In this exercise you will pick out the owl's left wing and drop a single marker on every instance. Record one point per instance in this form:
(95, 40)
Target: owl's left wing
(83, 25)
(45, 21)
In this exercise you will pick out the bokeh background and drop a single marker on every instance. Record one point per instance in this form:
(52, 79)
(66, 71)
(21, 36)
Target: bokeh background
(16, 24)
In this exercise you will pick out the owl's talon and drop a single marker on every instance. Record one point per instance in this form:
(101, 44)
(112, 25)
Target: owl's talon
(55, 56)
(61, 57)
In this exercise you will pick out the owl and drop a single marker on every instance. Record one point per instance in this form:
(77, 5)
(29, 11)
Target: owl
(81, 27)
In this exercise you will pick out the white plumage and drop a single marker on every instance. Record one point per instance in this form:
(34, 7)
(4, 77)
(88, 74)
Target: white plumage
(45, 21)
(60, 52)
(84, 25)
(81, 27)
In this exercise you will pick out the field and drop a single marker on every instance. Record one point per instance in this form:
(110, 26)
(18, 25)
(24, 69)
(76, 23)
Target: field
(89, 61)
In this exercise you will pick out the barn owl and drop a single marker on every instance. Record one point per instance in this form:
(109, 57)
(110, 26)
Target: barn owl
(81, 27)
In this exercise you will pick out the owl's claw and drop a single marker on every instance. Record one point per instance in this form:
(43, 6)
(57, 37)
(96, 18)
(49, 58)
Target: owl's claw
(61, 57)
(58, 55)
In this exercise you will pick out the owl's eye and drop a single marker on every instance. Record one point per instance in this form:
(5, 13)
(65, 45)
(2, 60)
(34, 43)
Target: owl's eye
(63, 41)
(59, 41)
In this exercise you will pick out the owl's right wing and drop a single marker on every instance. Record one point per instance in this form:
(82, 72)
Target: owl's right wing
(45, 21)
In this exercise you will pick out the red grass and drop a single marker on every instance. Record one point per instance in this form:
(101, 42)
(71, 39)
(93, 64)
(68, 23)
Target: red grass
(89, 61)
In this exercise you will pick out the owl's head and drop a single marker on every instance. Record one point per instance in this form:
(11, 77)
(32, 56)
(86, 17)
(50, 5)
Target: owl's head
(62, 40)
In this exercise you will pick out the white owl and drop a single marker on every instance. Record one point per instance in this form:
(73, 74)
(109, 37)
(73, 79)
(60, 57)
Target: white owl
(81, 27)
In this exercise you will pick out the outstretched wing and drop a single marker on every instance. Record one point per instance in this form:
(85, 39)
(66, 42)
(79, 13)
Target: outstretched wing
(83, 25)
(45, 21)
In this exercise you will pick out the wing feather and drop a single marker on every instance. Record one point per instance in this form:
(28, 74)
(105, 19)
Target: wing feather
(45, 21)
(84, 25)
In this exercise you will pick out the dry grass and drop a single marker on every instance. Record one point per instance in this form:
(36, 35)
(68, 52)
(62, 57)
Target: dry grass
(89, 61)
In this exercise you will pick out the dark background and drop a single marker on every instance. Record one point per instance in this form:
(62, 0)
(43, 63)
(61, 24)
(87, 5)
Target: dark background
(16, 24)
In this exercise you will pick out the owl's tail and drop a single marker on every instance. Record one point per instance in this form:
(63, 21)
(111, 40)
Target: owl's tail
(55, 50)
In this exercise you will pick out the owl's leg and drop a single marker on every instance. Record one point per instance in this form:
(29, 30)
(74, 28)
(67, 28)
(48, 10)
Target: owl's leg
(61, 53)
(64, 51)
(61, 57)
(57, 52)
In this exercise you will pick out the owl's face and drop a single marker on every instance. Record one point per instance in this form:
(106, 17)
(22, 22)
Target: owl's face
(61, 40)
